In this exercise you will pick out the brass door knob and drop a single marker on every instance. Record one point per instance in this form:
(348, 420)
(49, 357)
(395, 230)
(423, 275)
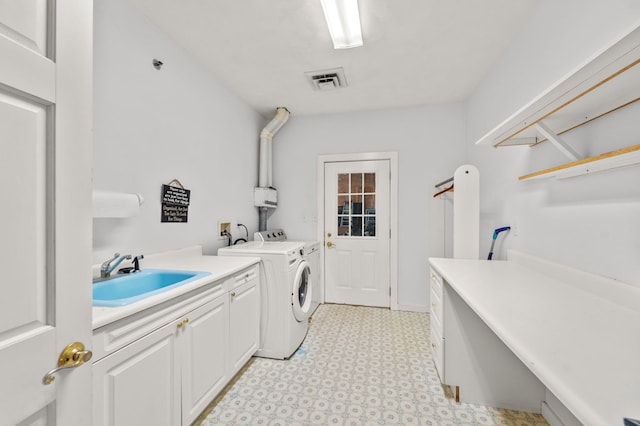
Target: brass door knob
(330, 244)
(74, 355)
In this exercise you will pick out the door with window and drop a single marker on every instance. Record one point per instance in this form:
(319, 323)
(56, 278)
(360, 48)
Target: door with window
(356, 233)
(45, 218)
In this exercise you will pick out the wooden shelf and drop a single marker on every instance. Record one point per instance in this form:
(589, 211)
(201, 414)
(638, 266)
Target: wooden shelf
(609, 160)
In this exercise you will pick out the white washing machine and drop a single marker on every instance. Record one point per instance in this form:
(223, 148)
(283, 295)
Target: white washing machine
(284, 292)
(310, 253)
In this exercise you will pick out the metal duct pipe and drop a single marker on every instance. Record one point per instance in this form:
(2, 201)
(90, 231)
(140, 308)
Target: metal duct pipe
(265, 170)
(262, 218)
(265, 175)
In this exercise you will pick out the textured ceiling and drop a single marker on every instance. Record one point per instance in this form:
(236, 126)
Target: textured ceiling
(415, 51)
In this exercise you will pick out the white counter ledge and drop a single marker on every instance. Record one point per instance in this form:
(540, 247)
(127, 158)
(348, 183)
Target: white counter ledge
(578, 333)
(190, 259)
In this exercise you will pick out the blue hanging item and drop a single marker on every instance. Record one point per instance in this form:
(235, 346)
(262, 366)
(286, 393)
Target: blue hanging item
(495, 237)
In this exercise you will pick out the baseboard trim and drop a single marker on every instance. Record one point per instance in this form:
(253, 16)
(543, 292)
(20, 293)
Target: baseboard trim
(411, 308)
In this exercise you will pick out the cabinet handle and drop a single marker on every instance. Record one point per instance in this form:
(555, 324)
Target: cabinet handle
(433, 304)
(433, 345)
(183, 323)
(233, 294)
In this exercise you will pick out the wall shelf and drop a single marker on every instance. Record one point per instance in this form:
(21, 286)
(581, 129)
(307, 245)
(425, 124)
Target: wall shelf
(607, 82)
(609, 160)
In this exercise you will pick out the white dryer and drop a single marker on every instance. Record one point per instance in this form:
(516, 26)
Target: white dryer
(310, 253)
(285, 294)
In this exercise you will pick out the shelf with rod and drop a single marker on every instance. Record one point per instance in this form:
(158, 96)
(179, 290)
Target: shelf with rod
(609, 160)
(604, 84)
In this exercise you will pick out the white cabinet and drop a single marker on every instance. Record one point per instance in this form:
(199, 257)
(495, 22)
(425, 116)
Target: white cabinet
(244, 315)
(137, 384)
(471, 360)
(203, 339)
(164, 365)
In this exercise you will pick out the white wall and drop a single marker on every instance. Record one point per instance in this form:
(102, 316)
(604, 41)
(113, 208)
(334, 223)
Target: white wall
(152, 126)
(429, 141)
(589, 222)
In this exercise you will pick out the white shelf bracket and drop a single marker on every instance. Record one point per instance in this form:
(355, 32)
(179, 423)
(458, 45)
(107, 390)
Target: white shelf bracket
(557, 141)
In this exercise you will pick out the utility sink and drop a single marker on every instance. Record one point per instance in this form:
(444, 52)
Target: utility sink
(123, 290)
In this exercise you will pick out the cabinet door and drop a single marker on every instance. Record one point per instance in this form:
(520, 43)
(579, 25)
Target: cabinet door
(139, 384)
(244, 323)
(203, 339)
(436, 324)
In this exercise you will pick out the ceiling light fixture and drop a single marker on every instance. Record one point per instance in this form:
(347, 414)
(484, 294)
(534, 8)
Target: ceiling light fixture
(343, 20)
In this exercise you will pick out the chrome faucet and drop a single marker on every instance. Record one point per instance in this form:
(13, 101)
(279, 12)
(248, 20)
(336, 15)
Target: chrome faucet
(111, 264)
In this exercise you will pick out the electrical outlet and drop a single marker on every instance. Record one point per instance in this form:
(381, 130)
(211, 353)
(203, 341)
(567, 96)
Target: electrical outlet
(224, 225)
(515, 230)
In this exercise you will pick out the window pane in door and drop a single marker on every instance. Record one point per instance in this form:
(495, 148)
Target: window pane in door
(369, 182)
(370, 204)
(343, 204)
(343, 183)
(343, 225)
(370, 215)
(356, 183)
(356, 204)
(356, 226)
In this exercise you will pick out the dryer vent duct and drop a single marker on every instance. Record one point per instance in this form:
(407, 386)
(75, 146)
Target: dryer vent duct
(327, 79)
(265, 195)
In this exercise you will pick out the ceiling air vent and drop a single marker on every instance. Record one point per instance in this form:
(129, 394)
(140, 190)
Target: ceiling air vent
(327, 79)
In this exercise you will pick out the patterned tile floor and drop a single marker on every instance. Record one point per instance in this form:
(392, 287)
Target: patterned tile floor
(357, 366)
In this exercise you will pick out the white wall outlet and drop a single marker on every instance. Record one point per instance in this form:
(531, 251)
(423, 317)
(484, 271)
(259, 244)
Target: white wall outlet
(515, 230)
(224, 229)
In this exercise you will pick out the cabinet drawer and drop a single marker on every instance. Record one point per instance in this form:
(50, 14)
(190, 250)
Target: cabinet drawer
(436, 309)
(116, 335)
(437, 349)
(242, 277)
(436, 280)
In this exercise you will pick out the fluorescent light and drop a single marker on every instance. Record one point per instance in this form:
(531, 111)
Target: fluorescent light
(343, 20)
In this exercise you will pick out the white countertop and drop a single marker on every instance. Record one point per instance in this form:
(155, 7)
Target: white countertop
(190, 259)
(581, 338)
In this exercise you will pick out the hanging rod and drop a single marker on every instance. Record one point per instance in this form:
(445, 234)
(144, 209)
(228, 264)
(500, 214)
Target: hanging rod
(438, 185)
(443, 191)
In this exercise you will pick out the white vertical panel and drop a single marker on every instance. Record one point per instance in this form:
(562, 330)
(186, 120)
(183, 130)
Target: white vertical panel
(368, 270)
(23, 212)
(25, 22)
(344, 277)
(466, 212)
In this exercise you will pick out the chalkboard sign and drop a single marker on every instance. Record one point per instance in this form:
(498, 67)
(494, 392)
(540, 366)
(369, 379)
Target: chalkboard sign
(175, 204)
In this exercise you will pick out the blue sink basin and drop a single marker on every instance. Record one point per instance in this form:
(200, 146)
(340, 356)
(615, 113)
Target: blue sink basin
(126, 289)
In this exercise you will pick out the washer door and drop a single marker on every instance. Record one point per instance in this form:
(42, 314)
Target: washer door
(301, 292)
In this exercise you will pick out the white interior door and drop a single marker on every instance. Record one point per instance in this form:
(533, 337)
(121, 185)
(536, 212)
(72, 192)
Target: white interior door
(356, 232)
(45, 219)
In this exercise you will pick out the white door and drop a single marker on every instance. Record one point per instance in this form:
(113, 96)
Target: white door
(356, 233)
(45, 219)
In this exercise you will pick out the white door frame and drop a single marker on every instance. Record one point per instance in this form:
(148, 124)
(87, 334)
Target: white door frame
(393, 210)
